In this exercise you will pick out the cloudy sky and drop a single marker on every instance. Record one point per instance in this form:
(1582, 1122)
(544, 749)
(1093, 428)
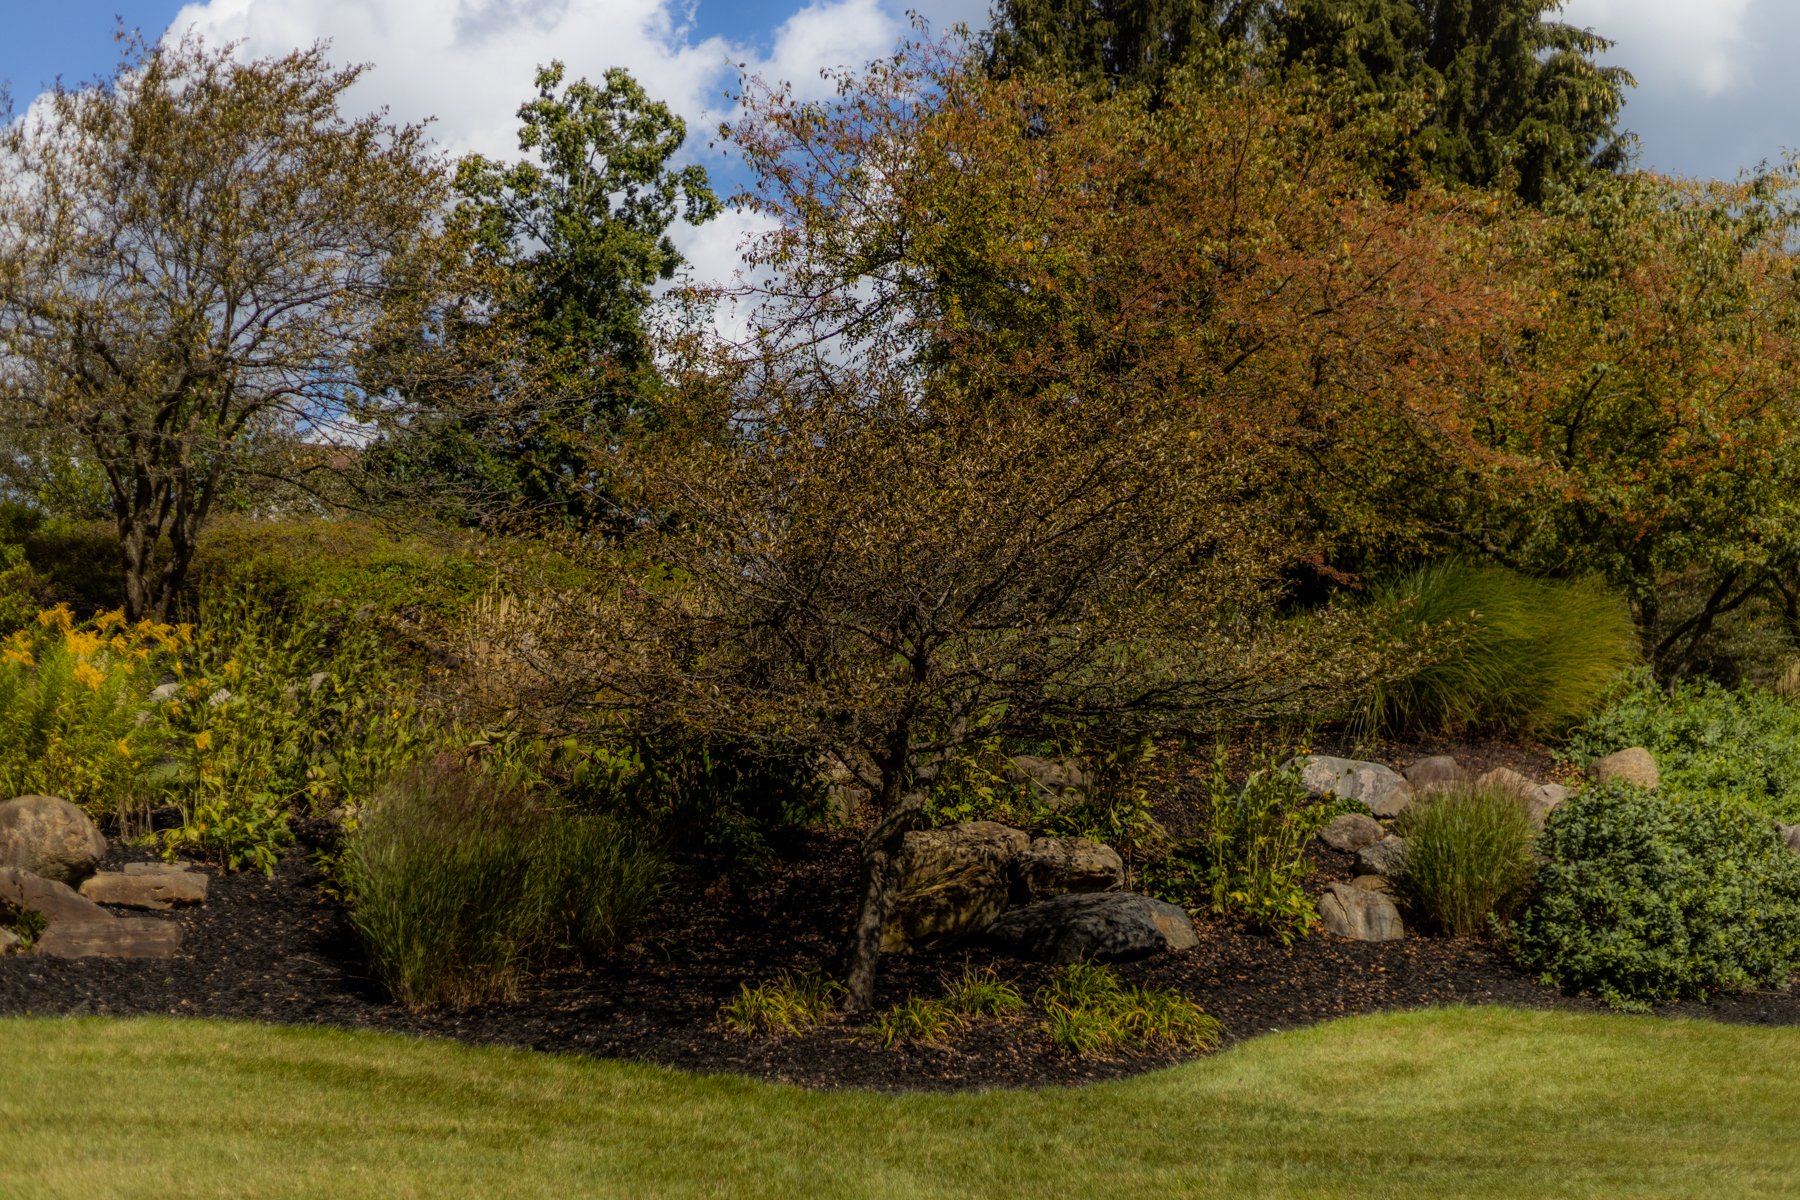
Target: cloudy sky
(1715, 91)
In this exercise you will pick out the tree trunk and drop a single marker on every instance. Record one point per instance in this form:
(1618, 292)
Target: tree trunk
(880, 851)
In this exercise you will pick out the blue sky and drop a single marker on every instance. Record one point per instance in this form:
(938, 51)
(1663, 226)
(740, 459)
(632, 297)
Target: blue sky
(1716, 89)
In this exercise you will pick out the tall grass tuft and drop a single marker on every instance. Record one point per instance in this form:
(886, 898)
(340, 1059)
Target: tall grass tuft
(1521, 655)
(461, 886)
(1468, 856)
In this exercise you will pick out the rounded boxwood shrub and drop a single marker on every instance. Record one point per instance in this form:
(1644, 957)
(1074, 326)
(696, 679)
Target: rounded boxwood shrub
(1645, 896)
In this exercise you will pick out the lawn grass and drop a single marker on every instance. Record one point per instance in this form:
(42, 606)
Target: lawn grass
(1456, 1102)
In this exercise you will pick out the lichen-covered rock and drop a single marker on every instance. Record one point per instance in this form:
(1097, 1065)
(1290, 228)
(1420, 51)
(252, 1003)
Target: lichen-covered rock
(1636, 766)
(1361, 914)
(1097, 925)
(1351, 832)
(50, 838)
(1383, 858)
(951, 882)
(1052, 866)
(1057, 782)
(1382, 789)
(1436, 773)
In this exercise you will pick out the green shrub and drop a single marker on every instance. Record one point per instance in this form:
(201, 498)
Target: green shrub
(914, 1020)
(1088, 1011)
(461, 886)
(1468, 857)
(1249, 860)
(1522, 655)
(980, 992)
(785, 1005)
(1706, 738)
(1648, 895)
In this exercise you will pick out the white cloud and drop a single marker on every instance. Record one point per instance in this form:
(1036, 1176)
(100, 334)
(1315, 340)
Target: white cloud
(469, 63)
(1699, 47)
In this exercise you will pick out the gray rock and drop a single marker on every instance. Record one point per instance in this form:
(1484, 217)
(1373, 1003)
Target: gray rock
(164, 691)
(1057, 782)
(1505, 779)
(50, 838)
(1435, 774)
(1374, 883)
(1791, 835)
(1351, 832)
(154, 891)
(56, 902)
(1361, 914)
(951, 882)
(1381, 788)
(9, 941)
(1544, 799)
(117, 937)
(1636, 766)
(1099, 925)
(1383, 858)
(161, 868)
(1060, 866)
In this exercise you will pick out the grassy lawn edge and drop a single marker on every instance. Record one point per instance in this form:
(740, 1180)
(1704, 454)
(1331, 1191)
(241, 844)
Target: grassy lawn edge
(1445, 1102)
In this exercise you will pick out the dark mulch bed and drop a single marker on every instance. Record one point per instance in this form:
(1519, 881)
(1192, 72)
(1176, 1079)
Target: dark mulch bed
(276, 950)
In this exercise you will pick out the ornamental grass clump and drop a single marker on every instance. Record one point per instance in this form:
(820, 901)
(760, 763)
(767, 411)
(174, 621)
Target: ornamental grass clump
(1468, 858)
(788, 1004)
(1646, 896)
(1519, 655)
(461, 886)
(1087, 1011)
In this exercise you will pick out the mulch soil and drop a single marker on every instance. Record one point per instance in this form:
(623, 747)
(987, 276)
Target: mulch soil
(277, 950)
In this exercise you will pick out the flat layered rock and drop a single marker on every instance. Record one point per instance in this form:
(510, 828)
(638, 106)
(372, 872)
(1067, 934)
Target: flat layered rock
(57, 903)
(112, 937)
(155, 891)
(1099, 925)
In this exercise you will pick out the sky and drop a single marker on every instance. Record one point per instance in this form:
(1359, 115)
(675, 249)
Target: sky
(1716, 92)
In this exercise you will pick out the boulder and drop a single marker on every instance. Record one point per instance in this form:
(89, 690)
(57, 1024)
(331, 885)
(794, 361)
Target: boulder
(1098, 925)
(116, 937)
(1360, 914)
(161, 868)
(1544, 799)
(164, 691)
(951, 882)
(50, 838)
(1383, 858)
(1791, 835)
(1351, 832)
(1435, 774)
(1052, 866)
(57, 903)
(1374, 883)
(9, 941)
(1056, 782)
(1381, 788)
(1636, 766)
(155, 891)
(1505, 779)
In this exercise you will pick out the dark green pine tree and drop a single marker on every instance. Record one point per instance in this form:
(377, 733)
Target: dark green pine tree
(1119, 41)
(1508, 91)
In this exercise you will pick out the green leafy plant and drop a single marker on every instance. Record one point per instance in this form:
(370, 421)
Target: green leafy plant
(1655, 895)
(1705, 738)
(1087, 1011)
(788, 1004)
(914, 1020)
(1522, 655)
(1468, 857)
(1249, 860)
(24, 923)
(461, 885)
(980, 992)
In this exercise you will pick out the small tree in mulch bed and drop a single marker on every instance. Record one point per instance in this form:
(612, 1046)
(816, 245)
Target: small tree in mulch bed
(1002, 453)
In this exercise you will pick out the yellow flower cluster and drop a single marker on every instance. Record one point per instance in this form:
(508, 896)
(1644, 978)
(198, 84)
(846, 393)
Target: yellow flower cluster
(105, 645)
